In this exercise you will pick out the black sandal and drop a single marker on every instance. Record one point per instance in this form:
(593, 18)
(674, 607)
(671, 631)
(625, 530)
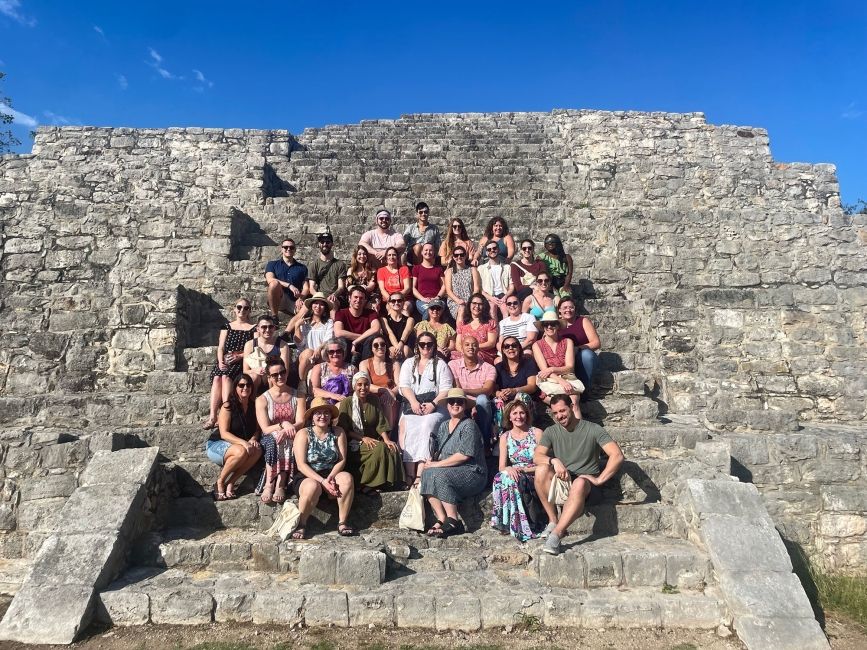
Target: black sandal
(345, 530)
(436, 529)
(452, 527)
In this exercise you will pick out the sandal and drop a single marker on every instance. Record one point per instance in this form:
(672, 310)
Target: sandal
(268, 492)
(279, 495)
(345, 530)
(299, 533)
(453, 527)
(218, 496)
(210, 423)
(436, 529)
(369, 491)
(230, 492)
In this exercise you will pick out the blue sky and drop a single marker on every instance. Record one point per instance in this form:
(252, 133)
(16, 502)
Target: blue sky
(797, 68)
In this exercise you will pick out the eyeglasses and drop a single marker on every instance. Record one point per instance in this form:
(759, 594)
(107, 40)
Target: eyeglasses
(275, 375)
(378, 346)
(245, 386)
(267, 327)
(424, 345)
(511, 346)
(543, 281)
(455, 401)
(476, 304)
(288, 248)
(513, 303)
(526, 248)
(459, 255)
(334, 353)
(242, 307)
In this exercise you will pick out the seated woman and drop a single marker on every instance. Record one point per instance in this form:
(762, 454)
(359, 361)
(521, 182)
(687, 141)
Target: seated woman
(517, 445)
(332, 378)
(462, 281)
(427, 280)
(516, 378)
(559, 264)
(264, 349)
(585, 338)
(525, 269)
(424, 381)
(393, 278)
(398, 327)
(456, 236)
(362, 272)
(230, 354)
(280, 413)
(555, 356)
(457, 467)
(384, 374)
(235, 445)
(541, 299)
(519, 325)
(310, 328)
(436, 325)
(320, 457)
(497, 231)
(479, 324)
(373, 459)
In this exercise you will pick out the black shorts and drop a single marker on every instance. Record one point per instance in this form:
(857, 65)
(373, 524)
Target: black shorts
(595, 495)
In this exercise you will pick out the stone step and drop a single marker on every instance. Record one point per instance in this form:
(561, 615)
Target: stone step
(624, 560)
(467, 601)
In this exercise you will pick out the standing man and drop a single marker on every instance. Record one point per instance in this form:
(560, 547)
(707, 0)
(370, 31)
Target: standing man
(357, 324)
(287, 281)
(477, 378)
(569, 449)
(327, 273)
(378, 240)
(420, 233)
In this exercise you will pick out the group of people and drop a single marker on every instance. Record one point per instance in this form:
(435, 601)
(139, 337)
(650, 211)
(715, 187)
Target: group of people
(409, 366)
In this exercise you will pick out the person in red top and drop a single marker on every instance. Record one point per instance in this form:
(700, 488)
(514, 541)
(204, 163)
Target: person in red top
(428, 279)
(394, 278)
(525, 270)
(357, 324)
(585, 338)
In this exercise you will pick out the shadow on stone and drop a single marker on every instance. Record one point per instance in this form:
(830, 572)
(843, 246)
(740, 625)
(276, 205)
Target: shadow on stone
(199, 320)
(273, 185)
(246, 236)
(801, 568)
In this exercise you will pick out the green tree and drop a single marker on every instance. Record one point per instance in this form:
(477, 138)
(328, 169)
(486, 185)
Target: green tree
(7, 139)
(859, 207)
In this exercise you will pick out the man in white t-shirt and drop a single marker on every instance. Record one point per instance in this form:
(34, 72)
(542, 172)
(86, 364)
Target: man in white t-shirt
(381, 238)
(496, 277)
(518, 324)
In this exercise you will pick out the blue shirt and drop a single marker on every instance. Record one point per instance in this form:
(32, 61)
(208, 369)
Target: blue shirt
(296, 275)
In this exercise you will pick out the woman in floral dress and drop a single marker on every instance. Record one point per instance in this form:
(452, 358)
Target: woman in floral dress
(515, 477)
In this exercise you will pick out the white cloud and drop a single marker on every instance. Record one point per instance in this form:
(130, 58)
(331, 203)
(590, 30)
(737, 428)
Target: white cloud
(18, 117)
(99, 31)
(156, 63)
(11, 8)
(122, 82)
(60, 120)
(852, 112)
(203, 81)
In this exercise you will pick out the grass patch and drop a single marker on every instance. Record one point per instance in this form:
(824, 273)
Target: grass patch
(846, 595)
(670, 589)
(527, 623)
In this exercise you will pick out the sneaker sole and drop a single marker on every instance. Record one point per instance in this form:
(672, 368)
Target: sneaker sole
(551, 551)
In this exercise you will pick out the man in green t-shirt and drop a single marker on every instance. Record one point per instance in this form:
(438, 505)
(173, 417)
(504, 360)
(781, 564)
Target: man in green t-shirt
(569, 449)
(326, 273)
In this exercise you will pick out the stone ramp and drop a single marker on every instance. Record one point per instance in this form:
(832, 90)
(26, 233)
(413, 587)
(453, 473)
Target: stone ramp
(84, 551)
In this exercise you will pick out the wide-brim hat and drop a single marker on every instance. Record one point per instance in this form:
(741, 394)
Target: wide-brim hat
(317, 404)
(317, 297)
(457, 393)
(549, 317)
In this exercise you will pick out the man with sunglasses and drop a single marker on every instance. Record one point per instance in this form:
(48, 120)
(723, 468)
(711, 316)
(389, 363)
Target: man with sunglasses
(327, 273)
(525, 269)
(496, 277)
(477, 378)
(287, 281)
(382, 237)
(420, 233)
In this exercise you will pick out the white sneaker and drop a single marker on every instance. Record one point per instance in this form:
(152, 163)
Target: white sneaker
(548, 530)
(552, 544)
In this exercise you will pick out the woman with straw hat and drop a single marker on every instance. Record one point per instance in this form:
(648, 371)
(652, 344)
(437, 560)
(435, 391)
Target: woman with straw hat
(555, 356)
(373, 458)
(320, 456)
(311, 327)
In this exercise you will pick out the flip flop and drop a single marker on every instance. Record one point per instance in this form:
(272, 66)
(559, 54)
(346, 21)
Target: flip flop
(230, 492)
(218, 496)
(299, 533)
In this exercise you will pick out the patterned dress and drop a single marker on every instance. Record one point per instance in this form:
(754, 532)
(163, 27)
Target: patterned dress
(462, 287)
(509, 513)
(278, 455)
(235, 341)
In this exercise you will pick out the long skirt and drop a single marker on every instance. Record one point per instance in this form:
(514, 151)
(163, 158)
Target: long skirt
(415, 439)
(509, 513)
(374, 467)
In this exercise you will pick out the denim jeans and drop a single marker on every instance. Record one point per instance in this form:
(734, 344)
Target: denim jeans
(485, 416)
(586, 362)
(421, 306)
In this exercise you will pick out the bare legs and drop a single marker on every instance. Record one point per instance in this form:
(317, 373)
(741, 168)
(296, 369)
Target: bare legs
(311, 490)
(574, 506)
(443, 510)
(237, 462)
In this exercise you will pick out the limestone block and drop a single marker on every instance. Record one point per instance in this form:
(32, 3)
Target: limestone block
(25, 620)
(604, 567)
(644, 568)
(686, 570)
(563, 611)
(318, 565)
(279, 606)
(181, 606)
(609, 608)
(721, 497)
(102, 508)
(838, 498)
(7, 517)
(564, 570)
(237, 513)
(414, 610)
(326, 608)
(123, 607)
(134, 465)
(266, 556)
(90, 560)
(371, 609)
(360, 567)
(462, 613)
(235, 606)
(715, 453)
(691, 611)
(743, 544)
(780, 633)
(842, 525)
(765, 594)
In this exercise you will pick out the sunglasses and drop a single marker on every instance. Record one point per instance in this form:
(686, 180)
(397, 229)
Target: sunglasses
(245, 386)
(456, 226)
(547, 325)
(511, 346)
(455, 401)
(267, 327)
(424, 211)
(395, 301)
(493, 250)
(334, 353)
(288, 248)
(459, 255)
(526, 248)
(242, 307)
(514, 303)
(424, 345)
(543, 281)
(378, 346)
(276, 375)
(434, 308)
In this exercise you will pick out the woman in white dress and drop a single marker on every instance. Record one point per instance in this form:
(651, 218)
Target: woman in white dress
(424, 382)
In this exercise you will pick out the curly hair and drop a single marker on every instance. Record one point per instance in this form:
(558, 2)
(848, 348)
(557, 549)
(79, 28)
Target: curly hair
(489, 229)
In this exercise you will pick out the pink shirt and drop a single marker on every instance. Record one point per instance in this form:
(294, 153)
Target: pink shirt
(472, 378)
(379, 241)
